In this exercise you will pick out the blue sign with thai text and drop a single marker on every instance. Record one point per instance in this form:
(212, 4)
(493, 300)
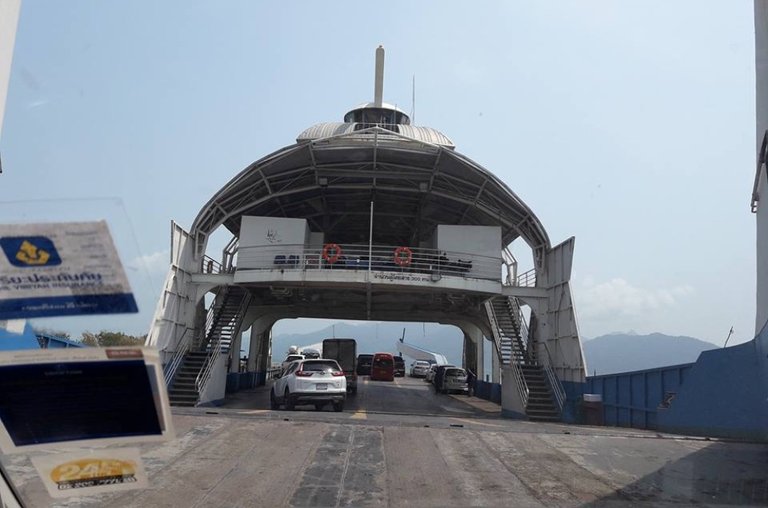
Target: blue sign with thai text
(61, 269)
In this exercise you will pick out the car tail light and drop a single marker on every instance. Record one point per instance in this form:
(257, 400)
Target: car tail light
(337, 373)
(302, 373)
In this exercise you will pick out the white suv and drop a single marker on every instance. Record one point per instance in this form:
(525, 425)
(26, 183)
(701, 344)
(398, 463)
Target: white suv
(316, 382)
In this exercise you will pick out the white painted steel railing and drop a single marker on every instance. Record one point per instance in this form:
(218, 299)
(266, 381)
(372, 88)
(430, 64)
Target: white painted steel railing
(215, 348)
(210, 265)
(517, 314)
(554, 383)
(511, 263)
(202, 339)
(170, 368)
(432, 262)
(526, 279)
(517, 374)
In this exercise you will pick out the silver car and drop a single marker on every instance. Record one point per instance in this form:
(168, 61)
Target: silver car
(430, 375)
(455, 380)
(419, 368)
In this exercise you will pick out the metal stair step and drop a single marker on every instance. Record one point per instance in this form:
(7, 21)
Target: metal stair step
(541, 412)
(183, 396)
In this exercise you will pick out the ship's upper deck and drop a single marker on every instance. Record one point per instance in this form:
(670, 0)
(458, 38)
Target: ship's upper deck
(373, 178)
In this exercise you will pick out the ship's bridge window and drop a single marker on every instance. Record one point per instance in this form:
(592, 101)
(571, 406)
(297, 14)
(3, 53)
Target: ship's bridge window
(377, 116)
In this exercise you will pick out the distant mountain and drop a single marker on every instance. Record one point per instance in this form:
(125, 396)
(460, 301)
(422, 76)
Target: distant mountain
(374, 337)
(623, 352)
(607, 354)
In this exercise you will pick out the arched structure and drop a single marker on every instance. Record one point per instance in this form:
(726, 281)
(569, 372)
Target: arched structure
(371, 218)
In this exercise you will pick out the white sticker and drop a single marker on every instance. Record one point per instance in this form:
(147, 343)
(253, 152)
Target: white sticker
(91, 471)
(61, 269)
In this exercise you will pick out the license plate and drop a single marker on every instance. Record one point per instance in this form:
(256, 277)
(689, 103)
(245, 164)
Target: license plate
(321, 386)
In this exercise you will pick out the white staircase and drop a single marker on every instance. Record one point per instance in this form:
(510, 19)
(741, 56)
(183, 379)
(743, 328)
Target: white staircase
(223, 322)
(534, 381)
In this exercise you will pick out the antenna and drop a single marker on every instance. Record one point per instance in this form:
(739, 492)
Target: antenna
(728, 338)
(378, 85)
(413, 102)
(403, 337)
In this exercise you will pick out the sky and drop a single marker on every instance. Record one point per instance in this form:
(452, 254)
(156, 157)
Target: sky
(629, 125)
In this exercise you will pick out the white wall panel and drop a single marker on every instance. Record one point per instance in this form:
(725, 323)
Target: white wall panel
(761, 75)
(263, 239)
(474, 240)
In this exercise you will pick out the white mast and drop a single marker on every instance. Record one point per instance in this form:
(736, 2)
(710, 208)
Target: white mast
(378, 89)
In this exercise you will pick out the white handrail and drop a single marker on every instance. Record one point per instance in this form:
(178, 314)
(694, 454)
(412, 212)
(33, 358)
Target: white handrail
(511, 264)
(170, 368)
(517, 314)
(527, 279)
(228, 254)
(554, 383)
(214, 354)
(402, 260)
(517, 374)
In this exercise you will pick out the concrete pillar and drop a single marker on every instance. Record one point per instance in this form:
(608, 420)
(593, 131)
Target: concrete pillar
(473, 338)
(480, 357)
(253, 350)
(260, 329)
(234, 353)
(495, 367)
(258, 352)
(511, 401)
(264, 359)
(468, 353)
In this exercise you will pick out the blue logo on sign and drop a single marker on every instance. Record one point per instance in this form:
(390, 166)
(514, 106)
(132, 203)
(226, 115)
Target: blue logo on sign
(30, 251)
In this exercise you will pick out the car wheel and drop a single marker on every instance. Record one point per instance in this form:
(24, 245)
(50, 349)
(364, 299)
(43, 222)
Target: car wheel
(338, 406)
(354, 390)
(319, 407)
(290, 405)
(273, 400)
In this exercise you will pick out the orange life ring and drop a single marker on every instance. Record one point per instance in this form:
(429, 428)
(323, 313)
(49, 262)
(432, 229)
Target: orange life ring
(403, 256)
(331, 252)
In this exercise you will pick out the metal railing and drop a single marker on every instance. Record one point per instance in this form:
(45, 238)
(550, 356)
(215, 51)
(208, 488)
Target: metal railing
(229, 253)
(527, 279)
(517, 374)
(431, 263)
(554, 383)
(170, 368)
(511, 263)
(214, 353)
(519, 317)
(210, 265)
(218, 302)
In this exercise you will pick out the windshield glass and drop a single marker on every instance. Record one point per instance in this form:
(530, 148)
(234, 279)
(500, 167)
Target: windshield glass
(383, 361)
(212, 187)
(321, 366)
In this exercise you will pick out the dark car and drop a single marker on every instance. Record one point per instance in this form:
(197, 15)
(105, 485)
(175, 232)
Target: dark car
(399, 366)
(364, 365)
